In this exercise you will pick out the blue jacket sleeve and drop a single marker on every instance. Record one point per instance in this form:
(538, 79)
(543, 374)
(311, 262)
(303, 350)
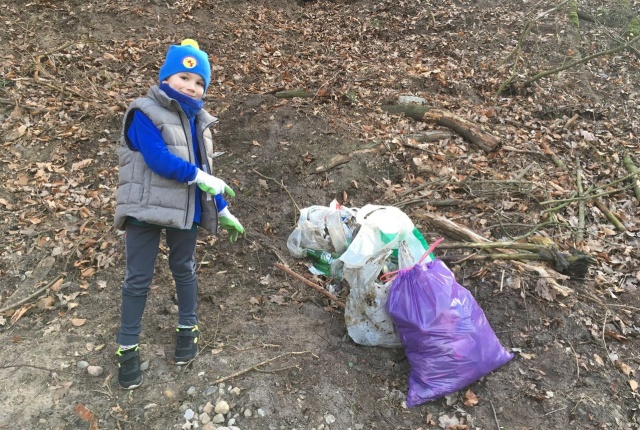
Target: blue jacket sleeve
(221, 203)
(146, 138)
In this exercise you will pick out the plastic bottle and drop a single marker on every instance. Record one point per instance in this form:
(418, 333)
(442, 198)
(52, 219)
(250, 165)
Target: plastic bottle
(326, 262)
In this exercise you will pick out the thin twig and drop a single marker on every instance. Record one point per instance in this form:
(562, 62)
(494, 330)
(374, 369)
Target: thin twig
(581, 203)
(313, 285)
(255, 366)
(11, 366)
(59, 48)
(495, 416)
(580, 61)
(281, 184)
(585, 197)
(604, 325)
(577, 363)
(26, 299)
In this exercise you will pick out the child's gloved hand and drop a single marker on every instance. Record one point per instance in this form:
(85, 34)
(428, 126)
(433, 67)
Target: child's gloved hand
(212, 185)
(230, 224)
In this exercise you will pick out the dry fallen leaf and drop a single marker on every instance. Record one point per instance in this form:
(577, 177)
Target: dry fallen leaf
(78, 322)
(19, 313)
(46, 302)
(277, 299)
(88, 272)
(60, 391)
(624, 368)
(634, 385)
(545, 290)
(470, 398)
(598, 359)
(81, 164)
(82, 411)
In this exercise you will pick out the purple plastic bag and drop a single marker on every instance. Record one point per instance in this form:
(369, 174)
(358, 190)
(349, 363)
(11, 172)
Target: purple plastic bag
(447, 338)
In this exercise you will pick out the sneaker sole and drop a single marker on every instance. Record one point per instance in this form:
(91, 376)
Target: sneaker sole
(132, 386)
(183, 362)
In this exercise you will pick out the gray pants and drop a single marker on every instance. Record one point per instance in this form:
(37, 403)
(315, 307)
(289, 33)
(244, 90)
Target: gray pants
(141, 249)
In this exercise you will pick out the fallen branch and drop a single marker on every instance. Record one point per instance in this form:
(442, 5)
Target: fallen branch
(630, 167)
(290, 94)
(574, 264)
(460, 232)
(343, 159)
(610, 215)
(255, 366)
(335, 162)
(313, 285)
(465, 128)
(437, 203)
(580, 61)
(548, 151)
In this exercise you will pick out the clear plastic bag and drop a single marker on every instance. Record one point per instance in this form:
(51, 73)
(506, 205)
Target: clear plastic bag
(322, 228)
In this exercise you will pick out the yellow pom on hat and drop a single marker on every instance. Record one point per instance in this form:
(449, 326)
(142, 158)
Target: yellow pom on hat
(190, 42)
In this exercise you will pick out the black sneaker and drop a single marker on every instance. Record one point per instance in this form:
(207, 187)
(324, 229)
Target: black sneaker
(186, 344)
(129, 373)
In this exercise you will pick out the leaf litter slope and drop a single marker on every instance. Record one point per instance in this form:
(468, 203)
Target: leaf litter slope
(69, 69)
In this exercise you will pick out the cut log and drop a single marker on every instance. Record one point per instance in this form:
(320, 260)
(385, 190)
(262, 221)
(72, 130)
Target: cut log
(469, 130)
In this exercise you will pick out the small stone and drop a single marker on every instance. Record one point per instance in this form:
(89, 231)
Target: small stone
(95, 370)
(261, 412)
(217, 419)
(189, 414)
(235, 391)
(248, 413)
(144, 365)
(209, 391)
(169, 394)
(222, 407)
(208, 408)
(204, 418)
(191, 391)
(209, 426)
(234, 428)
(329, 419)
(186, 426)
(231, 422)
(82, 364)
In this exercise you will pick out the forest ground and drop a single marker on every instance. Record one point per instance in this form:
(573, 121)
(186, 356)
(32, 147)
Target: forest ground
(69, 68)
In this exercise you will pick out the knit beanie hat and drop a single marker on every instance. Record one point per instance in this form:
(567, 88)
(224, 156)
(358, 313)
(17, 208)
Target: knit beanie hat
(186, 57)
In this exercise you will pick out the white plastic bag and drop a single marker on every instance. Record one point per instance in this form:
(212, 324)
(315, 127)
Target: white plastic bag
(384, 231)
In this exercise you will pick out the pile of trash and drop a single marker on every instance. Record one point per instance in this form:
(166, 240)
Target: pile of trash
(358, 246)
(400, 295)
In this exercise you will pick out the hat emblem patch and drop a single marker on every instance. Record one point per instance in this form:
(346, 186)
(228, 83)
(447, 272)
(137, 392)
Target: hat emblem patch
(189, 62)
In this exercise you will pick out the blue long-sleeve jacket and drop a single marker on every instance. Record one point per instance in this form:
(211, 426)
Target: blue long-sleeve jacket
(145, 137)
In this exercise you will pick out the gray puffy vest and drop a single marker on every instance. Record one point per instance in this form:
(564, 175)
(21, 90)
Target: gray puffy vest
(149, 197)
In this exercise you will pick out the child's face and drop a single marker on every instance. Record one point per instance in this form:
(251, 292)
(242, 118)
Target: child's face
(187, 83)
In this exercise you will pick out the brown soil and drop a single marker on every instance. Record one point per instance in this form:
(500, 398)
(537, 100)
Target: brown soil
(69, 68)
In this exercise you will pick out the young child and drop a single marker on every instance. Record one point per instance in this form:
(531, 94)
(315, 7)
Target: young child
(165, 183)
